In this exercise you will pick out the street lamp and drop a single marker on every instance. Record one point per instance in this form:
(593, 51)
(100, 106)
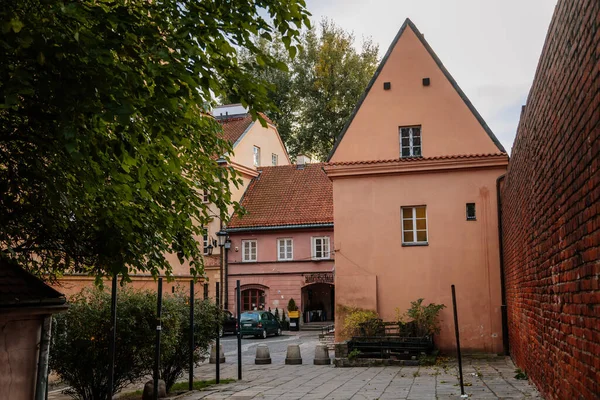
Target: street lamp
(209, 249)
(222, 238)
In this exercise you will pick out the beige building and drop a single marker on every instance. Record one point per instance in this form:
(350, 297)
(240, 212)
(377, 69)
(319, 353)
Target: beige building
(414, 198)
(254, 146)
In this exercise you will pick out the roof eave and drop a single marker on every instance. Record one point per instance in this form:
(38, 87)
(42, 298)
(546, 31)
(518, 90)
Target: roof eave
(280, 227)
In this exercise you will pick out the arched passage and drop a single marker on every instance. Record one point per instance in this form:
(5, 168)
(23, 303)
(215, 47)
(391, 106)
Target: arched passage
(318, 302)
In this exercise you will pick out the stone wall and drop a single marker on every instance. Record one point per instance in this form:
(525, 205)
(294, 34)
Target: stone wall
(550, 213)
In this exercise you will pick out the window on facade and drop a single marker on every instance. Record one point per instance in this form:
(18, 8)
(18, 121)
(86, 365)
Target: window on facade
(410, 141)
(320, 248)
(205, 196)
(414, 225)
(256, 156)
(285, 250)
(253, 299)
(205, 242)
(249, 250)
(274, 159)
(471, 216)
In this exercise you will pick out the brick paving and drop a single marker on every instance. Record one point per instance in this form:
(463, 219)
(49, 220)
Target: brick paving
(491, 378)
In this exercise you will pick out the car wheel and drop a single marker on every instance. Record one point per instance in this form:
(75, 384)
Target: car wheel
(264, 334)
(278, 333)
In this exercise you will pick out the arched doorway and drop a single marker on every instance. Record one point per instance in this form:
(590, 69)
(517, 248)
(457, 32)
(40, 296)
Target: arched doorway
(318, 302)
(254, 297)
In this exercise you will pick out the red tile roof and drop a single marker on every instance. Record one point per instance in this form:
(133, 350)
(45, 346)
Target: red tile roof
(287, 195)
(415, 159)
(235, 126)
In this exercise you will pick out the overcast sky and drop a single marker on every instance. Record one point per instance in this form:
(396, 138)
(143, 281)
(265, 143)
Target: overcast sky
(491, 47)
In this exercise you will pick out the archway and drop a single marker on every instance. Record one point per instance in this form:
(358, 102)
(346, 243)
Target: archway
(318, 302)
(254, 297)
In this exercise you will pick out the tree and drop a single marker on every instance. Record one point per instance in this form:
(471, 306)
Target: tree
(315, 96)
(105, 142)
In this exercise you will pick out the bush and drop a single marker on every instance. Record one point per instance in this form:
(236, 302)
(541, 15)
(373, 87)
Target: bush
(292, 305)
(353, 319)
(424, 319)
(80, 353)
(80, 342)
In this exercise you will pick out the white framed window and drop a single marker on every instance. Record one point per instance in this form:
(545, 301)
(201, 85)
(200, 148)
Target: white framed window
(285, 249)
(249, 248)
(205, 242)
(256, 152)
(320, 248)
(205, 196)
(410, 141)
(274, 159)
(414, 225)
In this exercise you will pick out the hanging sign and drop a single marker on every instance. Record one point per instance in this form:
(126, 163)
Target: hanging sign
(319, 277)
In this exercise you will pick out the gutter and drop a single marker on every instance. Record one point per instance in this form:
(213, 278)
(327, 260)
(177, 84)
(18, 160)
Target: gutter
(503, 307)
(279, 227)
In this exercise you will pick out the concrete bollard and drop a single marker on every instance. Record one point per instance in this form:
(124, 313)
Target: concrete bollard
(293, 356)
(322, 355)
(262, 355)
(213, 354)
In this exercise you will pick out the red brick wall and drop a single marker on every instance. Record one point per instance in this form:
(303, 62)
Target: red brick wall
(551, 208)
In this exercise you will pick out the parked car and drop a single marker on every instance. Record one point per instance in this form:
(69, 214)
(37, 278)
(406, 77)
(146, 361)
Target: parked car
(259, 324)
(229, 323)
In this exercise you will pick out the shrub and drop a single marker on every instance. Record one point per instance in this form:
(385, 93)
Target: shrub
(80, 342)
(353, 319)
(424, 319)
(292, 305)
(80, 354)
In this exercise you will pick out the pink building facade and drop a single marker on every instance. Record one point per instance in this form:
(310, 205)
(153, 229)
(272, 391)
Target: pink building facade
(414, 190)
(282, 248)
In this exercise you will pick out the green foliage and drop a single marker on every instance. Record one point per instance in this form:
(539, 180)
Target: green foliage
(316, 94)
(276, 314)
(520, 374)
(79, 353)
(292, 305)
(354, 319)
(354, 354)
(424, 319)
(105, 143)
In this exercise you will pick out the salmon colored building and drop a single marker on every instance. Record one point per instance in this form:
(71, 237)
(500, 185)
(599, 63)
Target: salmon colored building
(414, 192)
(281, 249)
(254, 146)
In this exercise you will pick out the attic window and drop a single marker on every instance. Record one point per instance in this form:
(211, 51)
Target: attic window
(387, 85)
(410, 141)
(426, 82)
(471, 216)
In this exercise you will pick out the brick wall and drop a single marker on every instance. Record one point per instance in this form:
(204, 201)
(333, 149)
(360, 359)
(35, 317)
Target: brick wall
(550, 213)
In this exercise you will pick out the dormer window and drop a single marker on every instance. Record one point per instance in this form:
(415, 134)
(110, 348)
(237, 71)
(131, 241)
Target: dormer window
(410, 141)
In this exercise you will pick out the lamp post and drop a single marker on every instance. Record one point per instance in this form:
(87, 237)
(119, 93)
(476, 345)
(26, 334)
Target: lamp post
(222, 238)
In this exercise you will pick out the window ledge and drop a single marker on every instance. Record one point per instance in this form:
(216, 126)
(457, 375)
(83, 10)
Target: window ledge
(415, 244)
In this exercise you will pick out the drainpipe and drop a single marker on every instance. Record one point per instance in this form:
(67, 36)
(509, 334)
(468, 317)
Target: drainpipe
(503, 307)
(41, 384)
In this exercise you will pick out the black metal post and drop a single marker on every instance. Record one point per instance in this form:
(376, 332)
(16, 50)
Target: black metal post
(226, 281)
(157, 344)
(460, 373)
(113, 337)
(205, 291)
(218, 348)
(239, 327)
(191, 360)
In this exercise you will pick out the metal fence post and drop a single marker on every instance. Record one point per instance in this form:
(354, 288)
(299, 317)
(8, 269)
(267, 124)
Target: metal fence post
(191, 359)
(112, 337)
(157, 344)
(462, 386)
(239, 327)
(218, 340)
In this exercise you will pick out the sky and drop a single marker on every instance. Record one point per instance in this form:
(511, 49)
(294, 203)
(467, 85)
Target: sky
(490, 47)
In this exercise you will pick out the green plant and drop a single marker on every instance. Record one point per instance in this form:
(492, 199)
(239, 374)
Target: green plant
(292, 305)
(277, 314)
(355, 318)
(424, 319)
(416, 374)
(521, 375)
(353, 354)
(79, 353)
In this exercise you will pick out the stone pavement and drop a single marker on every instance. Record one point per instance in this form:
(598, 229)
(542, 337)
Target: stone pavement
(491, 378)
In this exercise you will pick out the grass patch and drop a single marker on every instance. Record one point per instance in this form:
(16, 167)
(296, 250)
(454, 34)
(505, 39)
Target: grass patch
(178, 387)
(199, 385)
(521, 375)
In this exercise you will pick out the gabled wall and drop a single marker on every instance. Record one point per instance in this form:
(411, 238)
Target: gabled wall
(449, 125)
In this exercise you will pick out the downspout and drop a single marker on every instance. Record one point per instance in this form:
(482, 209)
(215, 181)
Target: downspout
(503, 307)
(41, 384)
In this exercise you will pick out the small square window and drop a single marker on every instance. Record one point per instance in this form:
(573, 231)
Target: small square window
(471, 216)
